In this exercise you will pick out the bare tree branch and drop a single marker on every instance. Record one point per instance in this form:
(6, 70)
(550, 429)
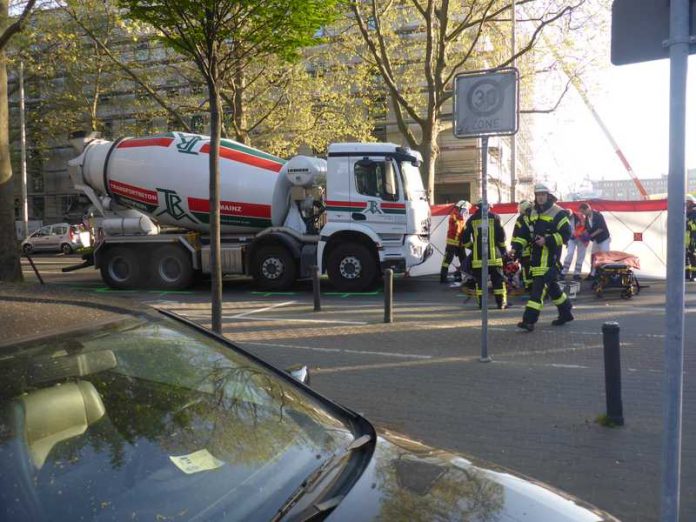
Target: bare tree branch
(18, 24)
(129, 71)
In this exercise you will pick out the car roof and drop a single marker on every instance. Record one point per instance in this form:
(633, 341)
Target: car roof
(31, 312)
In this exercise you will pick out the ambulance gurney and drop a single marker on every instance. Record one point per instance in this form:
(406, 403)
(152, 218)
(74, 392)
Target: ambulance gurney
(614, 269)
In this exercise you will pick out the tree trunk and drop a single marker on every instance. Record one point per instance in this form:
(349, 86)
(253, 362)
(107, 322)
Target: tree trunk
(215, 257)
(10, 268)
(430, 151)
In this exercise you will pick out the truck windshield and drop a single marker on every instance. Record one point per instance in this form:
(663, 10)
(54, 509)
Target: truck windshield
(413, 184)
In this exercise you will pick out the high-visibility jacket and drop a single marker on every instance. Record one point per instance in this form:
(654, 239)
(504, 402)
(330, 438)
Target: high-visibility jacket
(455, 227)
(551, 222)
(690, 236)
(521, 224)
(472, 239)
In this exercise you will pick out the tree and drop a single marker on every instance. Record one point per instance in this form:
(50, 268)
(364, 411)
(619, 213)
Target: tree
(418, 46)
(10, 268)
(222, 37)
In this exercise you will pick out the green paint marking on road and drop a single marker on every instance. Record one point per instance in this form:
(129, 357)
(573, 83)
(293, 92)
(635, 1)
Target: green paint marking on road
(269, 294)
(169, 292)
(107, 290)
(352, 294)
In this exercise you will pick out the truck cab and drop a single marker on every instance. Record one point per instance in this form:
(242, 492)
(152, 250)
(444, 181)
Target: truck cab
(378, 215)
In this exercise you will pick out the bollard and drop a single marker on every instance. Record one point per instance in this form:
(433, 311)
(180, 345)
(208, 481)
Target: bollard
(316, 287)
(612, 372)
(388, 295)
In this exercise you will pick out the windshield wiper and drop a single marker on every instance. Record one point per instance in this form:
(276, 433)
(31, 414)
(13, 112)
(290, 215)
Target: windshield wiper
(316, 476)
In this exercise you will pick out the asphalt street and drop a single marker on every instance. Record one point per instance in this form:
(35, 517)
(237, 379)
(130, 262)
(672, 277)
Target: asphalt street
(533, 409)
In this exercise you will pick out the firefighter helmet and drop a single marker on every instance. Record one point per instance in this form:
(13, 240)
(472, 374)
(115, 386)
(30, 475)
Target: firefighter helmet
(461, 204)
(524, 206)
(543, 187)
(690, 200)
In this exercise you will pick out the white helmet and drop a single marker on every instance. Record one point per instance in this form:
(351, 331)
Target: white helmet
(463, 204)
(690, 199)
(524, 205)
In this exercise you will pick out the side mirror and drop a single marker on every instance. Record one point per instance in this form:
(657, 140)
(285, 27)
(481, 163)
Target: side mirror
(299, 373)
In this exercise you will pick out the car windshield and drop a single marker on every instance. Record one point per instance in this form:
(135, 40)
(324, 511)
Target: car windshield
(151, 420)
(413, 184)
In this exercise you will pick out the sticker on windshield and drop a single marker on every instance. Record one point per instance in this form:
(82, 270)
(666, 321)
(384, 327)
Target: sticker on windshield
(196, 462)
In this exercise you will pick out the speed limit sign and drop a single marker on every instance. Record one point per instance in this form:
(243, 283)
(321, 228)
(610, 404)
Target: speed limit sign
(485, 103)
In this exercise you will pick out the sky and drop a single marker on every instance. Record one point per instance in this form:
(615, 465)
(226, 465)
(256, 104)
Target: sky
(633, 102)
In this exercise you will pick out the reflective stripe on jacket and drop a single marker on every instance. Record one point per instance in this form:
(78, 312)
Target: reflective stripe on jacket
(554, 226)
(472, 239)
(518, 234)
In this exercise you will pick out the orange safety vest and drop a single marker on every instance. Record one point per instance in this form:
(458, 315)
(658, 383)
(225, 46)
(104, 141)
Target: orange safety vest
(455, 228)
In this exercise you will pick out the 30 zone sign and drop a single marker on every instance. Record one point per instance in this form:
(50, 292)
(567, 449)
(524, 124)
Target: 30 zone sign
(485, 103)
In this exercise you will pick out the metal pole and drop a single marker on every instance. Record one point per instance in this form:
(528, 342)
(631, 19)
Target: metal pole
(674, 309)
(513, 138)
(23, 147)
(316, 288)
(388, 295)
(612, 372)
(483, 283)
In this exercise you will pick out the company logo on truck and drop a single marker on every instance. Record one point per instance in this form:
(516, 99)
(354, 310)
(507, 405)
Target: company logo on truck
(187, 143)
(172, 206)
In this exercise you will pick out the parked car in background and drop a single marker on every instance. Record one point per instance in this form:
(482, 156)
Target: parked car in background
(60, 237)
(146, 416)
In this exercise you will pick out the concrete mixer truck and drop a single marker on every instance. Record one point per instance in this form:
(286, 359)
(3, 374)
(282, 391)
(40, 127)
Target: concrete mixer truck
(354, 214)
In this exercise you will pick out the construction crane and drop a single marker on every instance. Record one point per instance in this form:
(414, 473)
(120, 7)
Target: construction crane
(580, 88)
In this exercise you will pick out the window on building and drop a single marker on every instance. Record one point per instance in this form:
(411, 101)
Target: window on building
(142, 52)
(452, 192)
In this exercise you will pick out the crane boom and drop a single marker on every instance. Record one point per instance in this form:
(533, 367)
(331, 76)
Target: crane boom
(580, 88)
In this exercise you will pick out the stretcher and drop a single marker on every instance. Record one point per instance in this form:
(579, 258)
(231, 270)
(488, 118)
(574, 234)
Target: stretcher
(614, 270)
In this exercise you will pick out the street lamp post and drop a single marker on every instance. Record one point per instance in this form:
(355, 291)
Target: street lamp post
(23, 146)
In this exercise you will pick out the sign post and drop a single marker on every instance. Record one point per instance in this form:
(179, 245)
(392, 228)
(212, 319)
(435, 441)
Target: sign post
(485, 104)
(644, 30)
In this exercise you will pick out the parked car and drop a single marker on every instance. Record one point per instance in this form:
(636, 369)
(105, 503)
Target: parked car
(150, 417)
(61, 237)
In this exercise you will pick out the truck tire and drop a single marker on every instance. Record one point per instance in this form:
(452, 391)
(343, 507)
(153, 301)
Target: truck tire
(352, 267)
(274, 268)
(171, 268)
(121, 268)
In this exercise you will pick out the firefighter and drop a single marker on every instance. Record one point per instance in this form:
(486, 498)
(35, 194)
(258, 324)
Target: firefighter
(690, 238)
(548, 230)
(471, 239)
(457, 220)
(522, 223)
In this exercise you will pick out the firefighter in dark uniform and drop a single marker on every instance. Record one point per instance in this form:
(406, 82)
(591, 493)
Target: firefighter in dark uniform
(455, 226)
(522, 223)
(690, 238)
(548, 230)
(472, 239)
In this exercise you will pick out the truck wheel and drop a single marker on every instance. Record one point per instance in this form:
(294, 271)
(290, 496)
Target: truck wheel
(352, 267)
(274, 268)
(121, 268)
(66, 249)
(171, 268)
